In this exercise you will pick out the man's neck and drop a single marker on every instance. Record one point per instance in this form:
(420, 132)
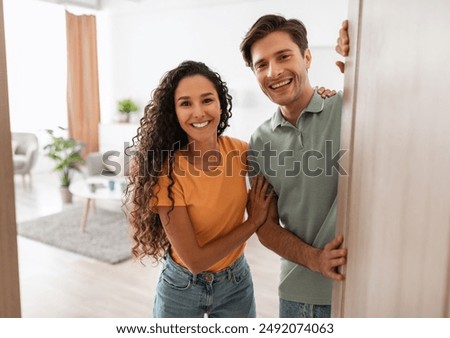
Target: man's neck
(292, 112)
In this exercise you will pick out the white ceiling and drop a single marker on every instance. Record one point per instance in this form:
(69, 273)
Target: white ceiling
(93, 4)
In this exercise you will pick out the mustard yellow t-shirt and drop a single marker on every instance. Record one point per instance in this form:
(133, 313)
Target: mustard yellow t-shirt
(215, 200)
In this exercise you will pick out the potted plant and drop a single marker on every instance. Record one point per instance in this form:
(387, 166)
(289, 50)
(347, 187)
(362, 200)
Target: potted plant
(65, 152)
(126, 107)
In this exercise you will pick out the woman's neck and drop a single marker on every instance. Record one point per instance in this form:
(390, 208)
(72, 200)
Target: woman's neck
(204, 154)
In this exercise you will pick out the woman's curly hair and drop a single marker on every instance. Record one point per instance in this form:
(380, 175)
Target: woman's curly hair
(154, 146)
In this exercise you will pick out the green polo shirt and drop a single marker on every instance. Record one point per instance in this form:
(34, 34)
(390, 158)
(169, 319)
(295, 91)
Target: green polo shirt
(301, 163)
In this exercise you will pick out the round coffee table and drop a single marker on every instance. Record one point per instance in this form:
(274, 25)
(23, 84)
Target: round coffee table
(97, 188)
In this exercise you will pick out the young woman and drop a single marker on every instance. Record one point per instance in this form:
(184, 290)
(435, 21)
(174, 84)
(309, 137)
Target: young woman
(188, 191)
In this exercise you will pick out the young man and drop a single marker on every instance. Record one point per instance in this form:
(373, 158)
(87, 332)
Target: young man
(297, 150)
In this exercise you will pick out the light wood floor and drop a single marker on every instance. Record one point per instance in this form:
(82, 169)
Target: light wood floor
(57, 283)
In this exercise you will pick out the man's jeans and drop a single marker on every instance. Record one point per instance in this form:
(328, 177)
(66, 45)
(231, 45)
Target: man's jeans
(290, 309)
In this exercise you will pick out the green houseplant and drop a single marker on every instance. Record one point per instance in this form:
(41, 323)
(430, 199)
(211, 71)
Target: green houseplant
(65, 152)
(126, 107)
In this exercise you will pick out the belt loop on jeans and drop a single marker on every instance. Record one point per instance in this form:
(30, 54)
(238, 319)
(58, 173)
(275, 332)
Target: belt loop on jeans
(194, 279)
(229, 274)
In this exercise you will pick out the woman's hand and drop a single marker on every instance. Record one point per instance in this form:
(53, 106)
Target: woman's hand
(325, 92)
(273, 210)
(258, 201)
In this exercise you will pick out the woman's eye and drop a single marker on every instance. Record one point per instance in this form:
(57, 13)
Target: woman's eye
(184, 104)
(208, 100)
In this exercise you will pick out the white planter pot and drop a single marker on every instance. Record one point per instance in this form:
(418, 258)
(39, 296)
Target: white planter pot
(66, 195)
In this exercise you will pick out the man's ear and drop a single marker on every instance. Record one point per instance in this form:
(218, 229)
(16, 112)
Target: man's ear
(308, 58)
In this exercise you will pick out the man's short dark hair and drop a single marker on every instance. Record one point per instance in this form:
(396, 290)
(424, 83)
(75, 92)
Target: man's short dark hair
(272, 23)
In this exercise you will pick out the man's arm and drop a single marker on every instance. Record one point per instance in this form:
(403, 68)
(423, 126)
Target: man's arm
(288, 245)
(342, 47)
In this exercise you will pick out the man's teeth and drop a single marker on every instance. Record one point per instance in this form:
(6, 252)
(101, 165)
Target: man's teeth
(278, 85)
(200, 125)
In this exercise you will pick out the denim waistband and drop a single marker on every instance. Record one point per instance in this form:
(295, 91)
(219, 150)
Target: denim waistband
(210, 277)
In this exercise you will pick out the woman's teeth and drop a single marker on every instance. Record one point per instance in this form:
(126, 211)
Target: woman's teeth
(200, 125)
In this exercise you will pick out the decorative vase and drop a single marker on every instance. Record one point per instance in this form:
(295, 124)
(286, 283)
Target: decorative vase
(124, 118)
(66, 195)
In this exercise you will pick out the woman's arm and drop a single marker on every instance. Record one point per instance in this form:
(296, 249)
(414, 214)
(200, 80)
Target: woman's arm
(181, 235)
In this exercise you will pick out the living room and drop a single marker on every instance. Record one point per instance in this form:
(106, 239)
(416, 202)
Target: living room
(137, 42)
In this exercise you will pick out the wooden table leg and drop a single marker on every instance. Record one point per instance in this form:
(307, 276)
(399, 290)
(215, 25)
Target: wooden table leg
(92, 206)
(85, 214)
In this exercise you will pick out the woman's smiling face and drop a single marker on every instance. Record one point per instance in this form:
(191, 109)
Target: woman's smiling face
(197, 107)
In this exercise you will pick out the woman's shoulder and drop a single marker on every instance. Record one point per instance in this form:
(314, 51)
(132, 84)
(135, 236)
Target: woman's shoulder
(231, 143)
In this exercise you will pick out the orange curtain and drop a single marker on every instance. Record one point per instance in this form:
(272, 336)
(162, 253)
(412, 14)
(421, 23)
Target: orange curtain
(83, 104)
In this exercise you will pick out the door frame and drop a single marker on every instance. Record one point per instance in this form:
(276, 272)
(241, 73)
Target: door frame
(9, 277)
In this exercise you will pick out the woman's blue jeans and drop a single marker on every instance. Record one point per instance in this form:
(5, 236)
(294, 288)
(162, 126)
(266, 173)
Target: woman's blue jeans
(224, 294)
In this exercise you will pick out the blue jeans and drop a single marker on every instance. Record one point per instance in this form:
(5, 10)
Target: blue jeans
(224, 294)
(289, 309)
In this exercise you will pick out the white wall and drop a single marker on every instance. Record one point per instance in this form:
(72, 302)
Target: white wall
(36, 64)
(147, 39)
(139, 41)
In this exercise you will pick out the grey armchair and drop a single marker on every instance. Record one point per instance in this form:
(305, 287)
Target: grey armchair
(25, 154)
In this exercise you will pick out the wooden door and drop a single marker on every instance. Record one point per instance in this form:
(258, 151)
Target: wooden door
(9, 275)
(394, 207)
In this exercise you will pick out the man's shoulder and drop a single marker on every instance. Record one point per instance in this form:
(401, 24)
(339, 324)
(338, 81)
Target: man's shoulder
(334, 102)
(264, 130)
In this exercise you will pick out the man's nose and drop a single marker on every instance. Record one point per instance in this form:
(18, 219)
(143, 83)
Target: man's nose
(274, 70)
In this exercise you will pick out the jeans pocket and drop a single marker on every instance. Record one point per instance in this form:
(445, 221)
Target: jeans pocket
(241, 275)
(175, 280)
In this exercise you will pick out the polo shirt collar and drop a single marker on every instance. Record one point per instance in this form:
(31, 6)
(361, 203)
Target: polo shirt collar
(314, 106)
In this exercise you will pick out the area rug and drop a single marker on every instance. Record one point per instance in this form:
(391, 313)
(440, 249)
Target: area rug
(106, 237)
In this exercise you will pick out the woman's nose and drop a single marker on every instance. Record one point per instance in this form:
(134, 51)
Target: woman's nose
(198, 111)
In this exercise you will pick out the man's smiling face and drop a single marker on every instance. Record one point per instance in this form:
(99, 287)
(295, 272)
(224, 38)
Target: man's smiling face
(280, 68)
